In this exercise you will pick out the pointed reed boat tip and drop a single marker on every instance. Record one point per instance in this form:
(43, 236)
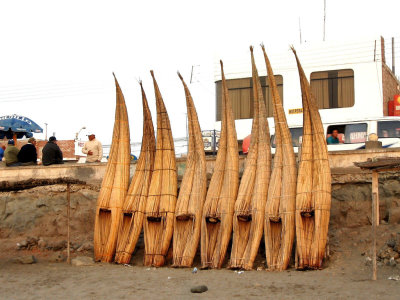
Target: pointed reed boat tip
(179, 74)
(251, 49)
(262, 46)
(152, 73)
(221, 63)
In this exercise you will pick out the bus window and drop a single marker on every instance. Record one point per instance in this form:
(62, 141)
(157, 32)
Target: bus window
(355, 133)
(335, 134)
(389, 129)
(297, 137)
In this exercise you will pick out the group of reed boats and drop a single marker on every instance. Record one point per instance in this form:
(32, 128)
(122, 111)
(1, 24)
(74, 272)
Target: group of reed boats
(283, 202)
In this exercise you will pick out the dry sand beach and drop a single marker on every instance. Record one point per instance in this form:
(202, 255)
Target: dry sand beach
(346, 275)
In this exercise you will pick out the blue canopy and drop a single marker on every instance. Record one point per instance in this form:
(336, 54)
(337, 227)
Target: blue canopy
(18, 124)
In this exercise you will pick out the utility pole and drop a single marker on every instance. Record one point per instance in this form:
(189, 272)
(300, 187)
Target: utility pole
(300, 30)
(324, 18)
(45, 134)
(393, 68)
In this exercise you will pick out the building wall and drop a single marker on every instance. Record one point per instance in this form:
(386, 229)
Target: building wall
(390, 87)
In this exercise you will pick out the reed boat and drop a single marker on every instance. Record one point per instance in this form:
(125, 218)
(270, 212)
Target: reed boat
(281, 204)
(114, 186)
(160, 207)
(192, 193)
(313, 198)
(216, 224)
(248, 220)
(135, 202)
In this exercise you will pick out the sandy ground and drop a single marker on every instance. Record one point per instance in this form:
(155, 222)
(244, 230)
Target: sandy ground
(345, 276)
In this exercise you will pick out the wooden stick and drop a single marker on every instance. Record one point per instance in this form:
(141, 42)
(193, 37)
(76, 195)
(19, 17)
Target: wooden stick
(374, 201)
(375, 190)
(68, 225)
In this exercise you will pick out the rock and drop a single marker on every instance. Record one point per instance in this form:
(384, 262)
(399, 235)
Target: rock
(56, 246)
(32, 241)
(57, 257)
(391, 243)
(394, 215)
(25, 260)
(82, 261)
(86, 246)
(368, 261)
(392, 262)
(42, 244)
(199, 289)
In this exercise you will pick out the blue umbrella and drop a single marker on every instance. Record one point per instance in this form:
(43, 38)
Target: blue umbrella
(18, 124)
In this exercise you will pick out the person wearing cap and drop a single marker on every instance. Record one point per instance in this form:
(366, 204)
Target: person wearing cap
(27, 156)
(93, 149)
(51, 153)
(11, 155)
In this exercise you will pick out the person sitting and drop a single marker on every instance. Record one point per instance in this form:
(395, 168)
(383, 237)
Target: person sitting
(11, 155)
(51, 153)
(333, 139)
(27, 156)
(93, 149)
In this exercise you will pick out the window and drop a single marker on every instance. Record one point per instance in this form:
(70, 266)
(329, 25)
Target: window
(349, 133)
(389, 129)
(297, 137)
(333, 89)
(241, 95)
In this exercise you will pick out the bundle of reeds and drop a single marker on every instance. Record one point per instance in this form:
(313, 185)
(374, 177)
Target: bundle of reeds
(216, 225)
(281, 204)
(160, 208)
(114, 186)
(135, 202)
(248, 220)
(192, 194)
(313, 199)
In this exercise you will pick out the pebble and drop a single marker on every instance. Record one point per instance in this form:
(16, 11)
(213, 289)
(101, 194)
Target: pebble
(199, 289)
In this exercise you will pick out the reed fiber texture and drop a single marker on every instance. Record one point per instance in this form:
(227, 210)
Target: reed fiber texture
(192, 193)
(216, 224)
(313, 199)
(281, 205)
(114, 186)
(248, 220)
(135, 202)
(160, 208)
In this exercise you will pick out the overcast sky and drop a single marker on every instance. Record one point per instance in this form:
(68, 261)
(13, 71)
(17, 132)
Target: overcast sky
(57, 57)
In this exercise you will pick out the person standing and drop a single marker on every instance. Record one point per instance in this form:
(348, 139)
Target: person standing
(93, 149)
(51, 153)
(11, 155)
(27, 156)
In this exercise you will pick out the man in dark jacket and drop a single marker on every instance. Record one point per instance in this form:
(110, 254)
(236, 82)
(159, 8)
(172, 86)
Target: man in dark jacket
(27, 156)
(51, 153)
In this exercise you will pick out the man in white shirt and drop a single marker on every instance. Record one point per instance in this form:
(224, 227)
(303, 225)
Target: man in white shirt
(93, 149)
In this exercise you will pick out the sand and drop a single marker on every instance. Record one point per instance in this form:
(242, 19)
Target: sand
(345, 276)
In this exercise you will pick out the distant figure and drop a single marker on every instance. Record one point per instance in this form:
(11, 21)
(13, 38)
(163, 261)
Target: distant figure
(2, 148)
(27, 156)
(51, 153)
(93, 149)
(11, 155)
(333, 139)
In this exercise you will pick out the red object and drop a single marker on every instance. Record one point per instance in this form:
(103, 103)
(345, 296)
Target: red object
(394, 106)
(391, 108)
(246, 144)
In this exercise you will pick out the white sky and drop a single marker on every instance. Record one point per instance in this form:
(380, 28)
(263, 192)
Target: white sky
(57, 57)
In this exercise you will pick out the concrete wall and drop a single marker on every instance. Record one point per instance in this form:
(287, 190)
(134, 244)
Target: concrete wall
(93, 173)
